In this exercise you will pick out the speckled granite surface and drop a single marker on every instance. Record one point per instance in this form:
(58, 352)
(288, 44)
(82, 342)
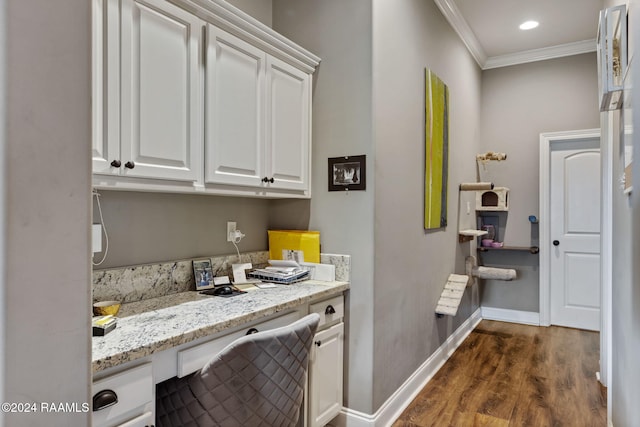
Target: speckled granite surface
(137, 283)
(179, 318)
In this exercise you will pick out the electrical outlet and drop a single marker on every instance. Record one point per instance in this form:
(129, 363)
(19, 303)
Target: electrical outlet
(231, 231)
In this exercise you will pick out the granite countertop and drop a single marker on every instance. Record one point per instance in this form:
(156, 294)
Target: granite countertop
(157, 324)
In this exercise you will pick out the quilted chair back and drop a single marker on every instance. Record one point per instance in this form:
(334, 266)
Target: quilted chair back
(258, 380)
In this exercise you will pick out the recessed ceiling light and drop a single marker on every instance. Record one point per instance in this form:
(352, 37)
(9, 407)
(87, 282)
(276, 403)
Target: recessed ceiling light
(528, 25)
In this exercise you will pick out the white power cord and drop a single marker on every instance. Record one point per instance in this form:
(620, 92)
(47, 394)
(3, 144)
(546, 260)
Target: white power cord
(104, 230)
(236, 237)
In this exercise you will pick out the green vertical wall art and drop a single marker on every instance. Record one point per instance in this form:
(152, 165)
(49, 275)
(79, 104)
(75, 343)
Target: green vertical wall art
(436, 151)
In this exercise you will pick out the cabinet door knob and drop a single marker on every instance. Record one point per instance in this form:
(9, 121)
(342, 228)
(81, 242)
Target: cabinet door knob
(252, 331)
(556, 243)
(318, 343)
(103, 399)
(129, 165)
(271, 180)
(330, 310)
(265, 179)
(116, 163)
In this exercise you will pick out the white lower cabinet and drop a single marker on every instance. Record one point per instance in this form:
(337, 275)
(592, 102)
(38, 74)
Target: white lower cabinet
(325, 376)
(324, 400)
(124, 399)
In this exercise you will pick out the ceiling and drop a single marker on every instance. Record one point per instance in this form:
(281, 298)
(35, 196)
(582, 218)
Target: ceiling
(490, 30)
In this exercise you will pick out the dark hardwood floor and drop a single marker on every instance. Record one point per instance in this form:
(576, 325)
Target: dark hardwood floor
(513, 375)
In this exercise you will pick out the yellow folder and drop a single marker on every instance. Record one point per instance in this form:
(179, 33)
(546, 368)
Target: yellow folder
(298, 245)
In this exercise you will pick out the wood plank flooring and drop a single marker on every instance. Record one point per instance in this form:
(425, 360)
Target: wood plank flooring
(512, 375)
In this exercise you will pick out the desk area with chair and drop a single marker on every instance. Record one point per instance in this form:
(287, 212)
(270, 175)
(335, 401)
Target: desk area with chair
(176, 340)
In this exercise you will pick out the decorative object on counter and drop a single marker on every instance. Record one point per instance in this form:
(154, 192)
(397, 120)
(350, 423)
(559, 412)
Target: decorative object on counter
(102, 325)
(106, 308)
(476, 186)
(296, 245)
(348, 173)
(436, 151)
(203, 274)
(487, 242)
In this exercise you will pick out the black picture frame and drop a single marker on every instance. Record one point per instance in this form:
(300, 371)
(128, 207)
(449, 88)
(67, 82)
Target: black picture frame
(348, 173)
(203, 274)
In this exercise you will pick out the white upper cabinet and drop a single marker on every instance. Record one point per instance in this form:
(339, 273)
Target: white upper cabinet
(173, 112)
(160, 104)
(288, 137)
(150, 89)
(258, 117)
(235, 106)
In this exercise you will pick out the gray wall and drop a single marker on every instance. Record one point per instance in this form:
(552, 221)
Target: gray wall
(340, 33)
(391, 319)
(156, 227)
(519, 103)
(261, 10)
(411, 265)
(47, 206)
(624, 391)
(3, 201)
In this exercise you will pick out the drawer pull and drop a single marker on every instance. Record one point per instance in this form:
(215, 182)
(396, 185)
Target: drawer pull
(252, 331)
(330, 310)
(103, 399)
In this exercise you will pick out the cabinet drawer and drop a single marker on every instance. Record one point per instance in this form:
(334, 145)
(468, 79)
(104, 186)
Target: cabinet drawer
(329, 310)
(134, 391)
(194, 358)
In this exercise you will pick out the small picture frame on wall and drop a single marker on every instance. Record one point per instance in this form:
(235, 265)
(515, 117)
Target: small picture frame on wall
(347, 173)
(203, 274)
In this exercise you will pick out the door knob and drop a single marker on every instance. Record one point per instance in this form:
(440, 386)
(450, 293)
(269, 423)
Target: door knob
(556, 243)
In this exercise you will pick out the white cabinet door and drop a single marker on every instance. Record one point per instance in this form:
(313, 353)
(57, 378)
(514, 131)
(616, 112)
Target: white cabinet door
(105, 75)
(325, 376)
(288, 126)
(234, 111)
(160, 91)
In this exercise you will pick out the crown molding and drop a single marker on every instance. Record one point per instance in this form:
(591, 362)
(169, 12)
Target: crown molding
(460, 26)
(542, 54)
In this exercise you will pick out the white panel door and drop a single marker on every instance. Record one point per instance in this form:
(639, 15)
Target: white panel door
(288, 126)
(575, 233)
(161, 102)
(325, 376)
(105, 79)
(234, 111)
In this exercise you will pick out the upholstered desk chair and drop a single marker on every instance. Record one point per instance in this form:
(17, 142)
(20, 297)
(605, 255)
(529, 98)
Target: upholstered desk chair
(257, 380)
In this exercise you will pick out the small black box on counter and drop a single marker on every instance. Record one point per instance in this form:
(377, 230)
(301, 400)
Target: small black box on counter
(103, 325)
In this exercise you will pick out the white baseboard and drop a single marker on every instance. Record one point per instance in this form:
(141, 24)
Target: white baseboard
(402, 397)
(513, 316)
